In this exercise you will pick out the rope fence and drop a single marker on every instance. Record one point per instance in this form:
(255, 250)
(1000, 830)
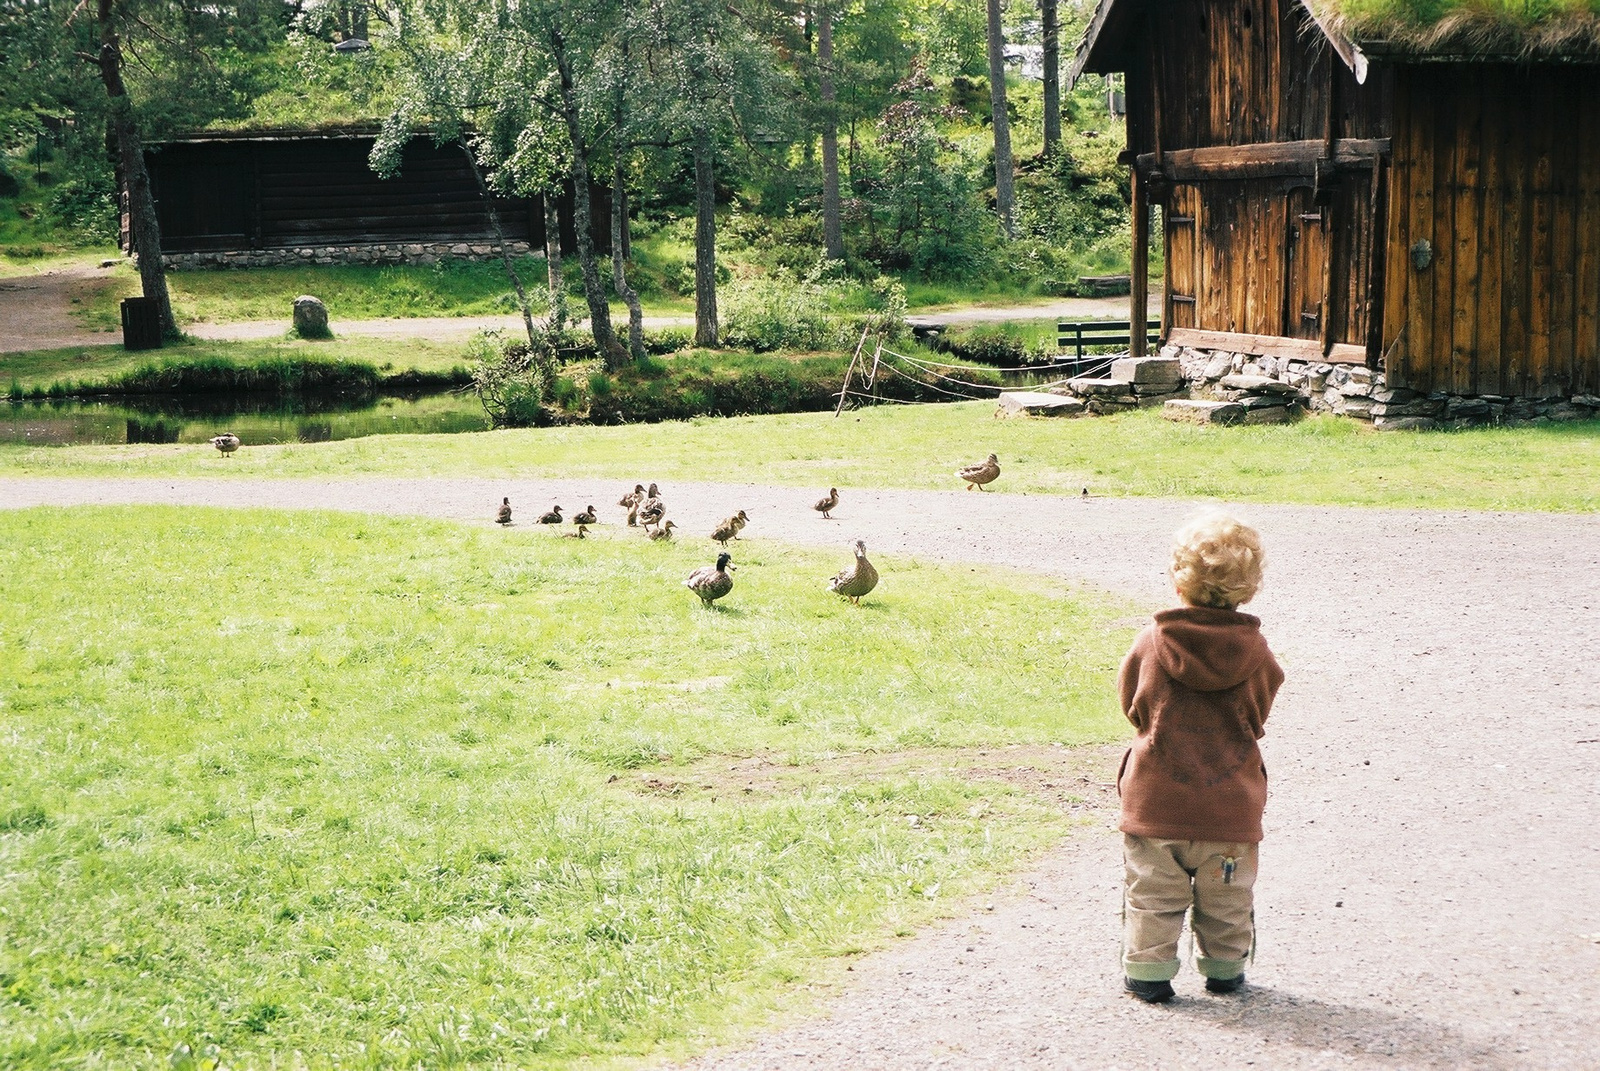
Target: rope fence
(920, 371)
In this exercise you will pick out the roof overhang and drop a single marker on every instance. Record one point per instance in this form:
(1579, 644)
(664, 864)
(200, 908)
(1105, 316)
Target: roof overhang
(1106, 48)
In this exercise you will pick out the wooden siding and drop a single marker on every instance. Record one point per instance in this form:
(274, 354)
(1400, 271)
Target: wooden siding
(1264, 150)
(242, 195)
(1497, 169)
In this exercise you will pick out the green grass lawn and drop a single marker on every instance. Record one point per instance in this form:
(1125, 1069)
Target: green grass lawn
(333, 791)
(1321, 460)
(97, 364)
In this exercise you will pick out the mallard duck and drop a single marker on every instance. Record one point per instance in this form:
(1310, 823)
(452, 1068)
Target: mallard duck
(712, 582)
(825, 505)
(582, 532)
(978, 475)
(854, 581)
(630, 502)
(739, 520)
(504, 516)
(226, 443)
(586, 517)
(651, 512)
(553, 517)
(728, 529)
(664, 532)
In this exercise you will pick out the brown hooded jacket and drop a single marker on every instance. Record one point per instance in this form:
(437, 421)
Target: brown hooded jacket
(1197, 686)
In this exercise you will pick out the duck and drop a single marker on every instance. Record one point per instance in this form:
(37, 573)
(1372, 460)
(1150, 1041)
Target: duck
(586, 517)
(630, 502)
(739, 520)
(504, 516)
(581, 533)
(651, 513)
(854, 581)
(226, 443)
(980, 474)
(728, 529)
(825, 505)
(664, 532)
(553, 517)
(712, 582)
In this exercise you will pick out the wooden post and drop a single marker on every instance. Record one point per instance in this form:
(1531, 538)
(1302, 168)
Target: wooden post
(1139, 283)
(845, 386)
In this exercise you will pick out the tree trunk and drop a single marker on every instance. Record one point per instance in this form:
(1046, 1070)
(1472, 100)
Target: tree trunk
(146, 229)
(493, 213)
(705, 239)
(619, 276)
(1002, 123)
(1050, 21)
(555, 280)
(832, 230)
(605, 337)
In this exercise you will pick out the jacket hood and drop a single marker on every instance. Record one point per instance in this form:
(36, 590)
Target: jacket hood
(1209, 649)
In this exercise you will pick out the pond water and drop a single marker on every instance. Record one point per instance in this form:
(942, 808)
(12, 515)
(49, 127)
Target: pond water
(259, 420)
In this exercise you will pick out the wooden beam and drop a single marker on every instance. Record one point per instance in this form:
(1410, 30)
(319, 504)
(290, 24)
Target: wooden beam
(1299, 349)
(1139, 267)
(1267, 159)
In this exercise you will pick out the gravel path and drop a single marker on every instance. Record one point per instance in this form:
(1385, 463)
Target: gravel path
(36, 309)
(1430, 890)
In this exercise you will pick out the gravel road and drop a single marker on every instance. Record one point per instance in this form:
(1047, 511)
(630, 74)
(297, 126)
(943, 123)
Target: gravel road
(1430, 884)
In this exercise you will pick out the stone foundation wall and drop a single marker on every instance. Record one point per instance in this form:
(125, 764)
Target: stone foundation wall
(384, 253)
(1355, 391)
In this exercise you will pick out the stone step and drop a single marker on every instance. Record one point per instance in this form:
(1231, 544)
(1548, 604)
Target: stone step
(1037, 403)
(1202, 412)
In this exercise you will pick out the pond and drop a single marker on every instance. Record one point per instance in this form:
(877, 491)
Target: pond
(258, 420)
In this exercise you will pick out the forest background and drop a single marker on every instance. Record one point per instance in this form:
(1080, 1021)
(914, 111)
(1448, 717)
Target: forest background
(767, 105)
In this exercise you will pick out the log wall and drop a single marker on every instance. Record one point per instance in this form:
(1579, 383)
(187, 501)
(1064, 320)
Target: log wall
(1497, 171)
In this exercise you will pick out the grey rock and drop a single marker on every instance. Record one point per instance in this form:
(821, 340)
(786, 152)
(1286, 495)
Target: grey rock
(1038, 403)
(1147, 370)
(1356, 389)
(1218, 367)
(1565, 411)
(1264, 401)
(1360, 374)
(310, 317)
(1105, 406)
(1405, 423)
(1202, 412)
(1398, 395)
(1420, 407)
(1590, 400)
(1101, 388)
(1272, 414)
(1256, 383)
(1361, 408)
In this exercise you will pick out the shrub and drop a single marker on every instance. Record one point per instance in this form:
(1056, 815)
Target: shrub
(513, 380)
(770, 314)
(988, 345)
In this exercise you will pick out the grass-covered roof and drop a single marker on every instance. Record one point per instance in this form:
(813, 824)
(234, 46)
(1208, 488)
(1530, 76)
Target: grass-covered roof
(1464, 29)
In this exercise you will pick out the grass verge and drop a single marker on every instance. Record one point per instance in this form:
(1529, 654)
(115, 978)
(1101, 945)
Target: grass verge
(358, 790)
(1318, 461)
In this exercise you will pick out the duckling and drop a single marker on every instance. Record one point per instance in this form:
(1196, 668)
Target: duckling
(586, 517)
(712, 582)
(553, 517)
(980, 474)
(581, 533)
(854, 581)
(725, 531)
(504, 516)
(630, 502)
(226, 443)
(825, 505)
(664, 532)
(739, 520)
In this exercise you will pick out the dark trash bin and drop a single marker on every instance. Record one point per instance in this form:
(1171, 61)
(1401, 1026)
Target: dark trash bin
(141, 323)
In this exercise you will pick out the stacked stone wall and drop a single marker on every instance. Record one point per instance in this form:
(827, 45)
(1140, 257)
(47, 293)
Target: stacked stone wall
(379, 253)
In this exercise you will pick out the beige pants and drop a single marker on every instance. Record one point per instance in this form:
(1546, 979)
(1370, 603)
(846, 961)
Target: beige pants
(1166, 879)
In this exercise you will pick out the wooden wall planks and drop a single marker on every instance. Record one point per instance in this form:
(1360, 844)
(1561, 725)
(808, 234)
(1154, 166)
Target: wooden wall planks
(1497, 166)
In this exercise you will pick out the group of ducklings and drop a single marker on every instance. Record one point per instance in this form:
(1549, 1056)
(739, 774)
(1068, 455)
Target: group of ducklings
(646, 509)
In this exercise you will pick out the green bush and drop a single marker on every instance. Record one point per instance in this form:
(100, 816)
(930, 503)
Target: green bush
(775, 313)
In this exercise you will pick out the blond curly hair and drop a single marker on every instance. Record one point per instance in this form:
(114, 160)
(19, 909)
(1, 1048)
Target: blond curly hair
(1216, 560)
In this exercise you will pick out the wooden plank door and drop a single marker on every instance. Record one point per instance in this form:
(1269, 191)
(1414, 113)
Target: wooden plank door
(1305, 265)
(1182, 218)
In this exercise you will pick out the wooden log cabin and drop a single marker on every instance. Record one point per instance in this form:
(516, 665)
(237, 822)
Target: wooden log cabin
(1426, 205)
(274, 196)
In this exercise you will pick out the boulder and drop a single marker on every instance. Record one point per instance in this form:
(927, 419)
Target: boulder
(1102, 388)
(1219, 366)
(1037, 403)
(1271, 414)
(1186, 411)
(311, 317)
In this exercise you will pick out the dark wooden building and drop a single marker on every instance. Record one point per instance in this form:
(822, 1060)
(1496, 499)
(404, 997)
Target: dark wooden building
(238, 193)
(1423, 208)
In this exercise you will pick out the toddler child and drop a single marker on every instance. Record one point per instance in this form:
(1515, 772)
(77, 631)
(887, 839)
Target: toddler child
(1197, 687)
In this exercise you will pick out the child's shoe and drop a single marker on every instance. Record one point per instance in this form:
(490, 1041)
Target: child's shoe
(1149, 992)
(1224, 985)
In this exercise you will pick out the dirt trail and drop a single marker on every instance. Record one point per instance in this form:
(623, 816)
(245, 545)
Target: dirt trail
(1430, 891)
(36, 311)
